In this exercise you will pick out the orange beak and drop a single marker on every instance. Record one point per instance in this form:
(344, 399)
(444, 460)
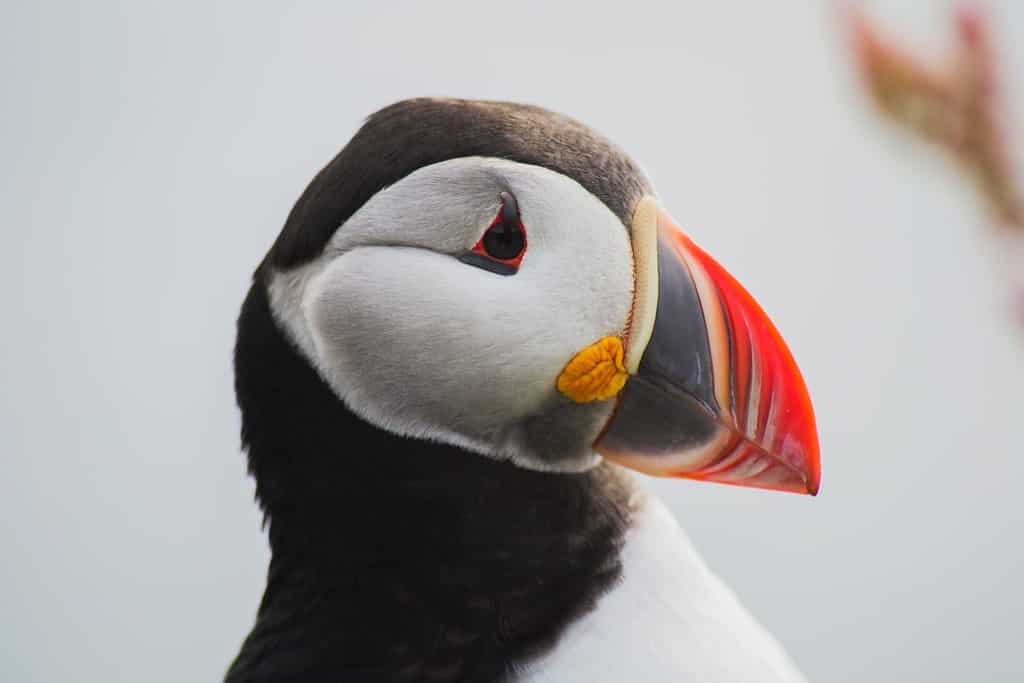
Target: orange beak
(714, 393)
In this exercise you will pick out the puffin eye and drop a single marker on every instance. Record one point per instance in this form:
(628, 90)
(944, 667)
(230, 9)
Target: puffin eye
(503, 244)
(505, 239)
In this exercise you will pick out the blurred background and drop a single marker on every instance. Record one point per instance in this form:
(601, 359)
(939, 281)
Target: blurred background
(152, 151)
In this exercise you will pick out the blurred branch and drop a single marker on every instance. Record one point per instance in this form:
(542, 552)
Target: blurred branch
(957, 106)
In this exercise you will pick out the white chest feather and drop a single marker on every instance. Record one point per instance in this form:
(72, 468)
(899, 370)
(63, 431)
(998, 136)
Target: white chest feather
(670, 619)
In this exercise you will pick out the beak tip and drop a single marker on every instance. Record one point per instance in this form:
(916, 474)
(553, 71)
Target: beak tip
(810, 465)
(814, 462)
(813, 486)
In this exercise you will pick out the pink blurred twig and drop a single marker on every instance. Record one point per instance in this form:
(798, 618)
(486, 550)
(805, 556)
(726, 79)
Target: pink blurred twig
(956, 106)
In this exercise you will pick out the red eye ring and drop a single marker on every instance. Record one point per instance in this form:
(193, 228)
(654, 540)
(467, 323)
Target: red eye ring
(503, 245)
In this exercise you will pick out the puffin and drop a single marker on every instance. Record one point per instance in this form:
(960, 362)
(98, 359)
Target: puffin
(476, 324)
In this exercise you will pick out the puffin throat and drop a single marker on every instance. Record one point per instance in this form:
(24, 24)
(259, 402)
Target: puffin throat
(399, 558)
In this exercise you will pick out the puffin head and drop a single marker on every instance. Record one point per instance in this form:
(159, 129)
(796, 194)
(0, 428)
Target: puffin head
(500, 278)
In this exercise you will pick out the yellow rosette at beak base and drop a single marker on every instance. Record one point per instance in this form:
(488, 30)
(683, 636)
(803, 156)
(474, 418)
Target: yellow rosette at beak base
(596, 373)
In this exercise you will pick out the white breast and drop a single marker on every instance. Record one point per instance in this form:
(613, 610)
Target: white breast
(670, 619)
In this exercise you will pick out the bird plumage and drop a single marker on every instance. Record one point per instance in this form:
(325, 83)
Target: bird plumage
(404, 560)
(668, 619)
(375, 366)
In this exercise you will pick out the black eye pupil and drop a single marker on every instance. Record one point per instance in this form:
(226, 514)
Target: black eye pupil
(505, 239)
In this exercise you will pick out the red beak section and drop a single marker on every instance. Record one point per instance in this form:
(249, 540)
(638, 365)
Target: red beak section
(764, 401)
(717, 395)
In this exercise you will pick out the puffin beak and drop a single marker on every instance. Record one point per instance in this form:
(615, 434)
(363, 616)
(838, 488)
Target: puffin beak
(713, 392)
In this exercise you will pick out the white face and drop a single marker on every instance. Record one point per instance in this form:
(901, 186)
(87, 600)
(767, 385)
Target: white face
(421, 344)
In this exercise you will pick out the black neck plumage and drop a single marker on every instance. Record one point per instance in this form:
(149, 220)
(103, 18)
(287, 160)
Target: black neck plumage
(402, 560)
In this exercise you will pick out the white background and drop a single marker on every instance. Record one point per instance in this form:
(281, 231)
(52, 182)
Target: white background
(150, 154)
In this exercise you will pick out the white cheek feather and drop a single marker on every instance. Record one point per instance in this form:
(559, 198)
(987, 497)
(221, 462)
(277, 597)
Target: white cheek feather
(669, 620)
(286, 290)
(420, 344)
(409, 353)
